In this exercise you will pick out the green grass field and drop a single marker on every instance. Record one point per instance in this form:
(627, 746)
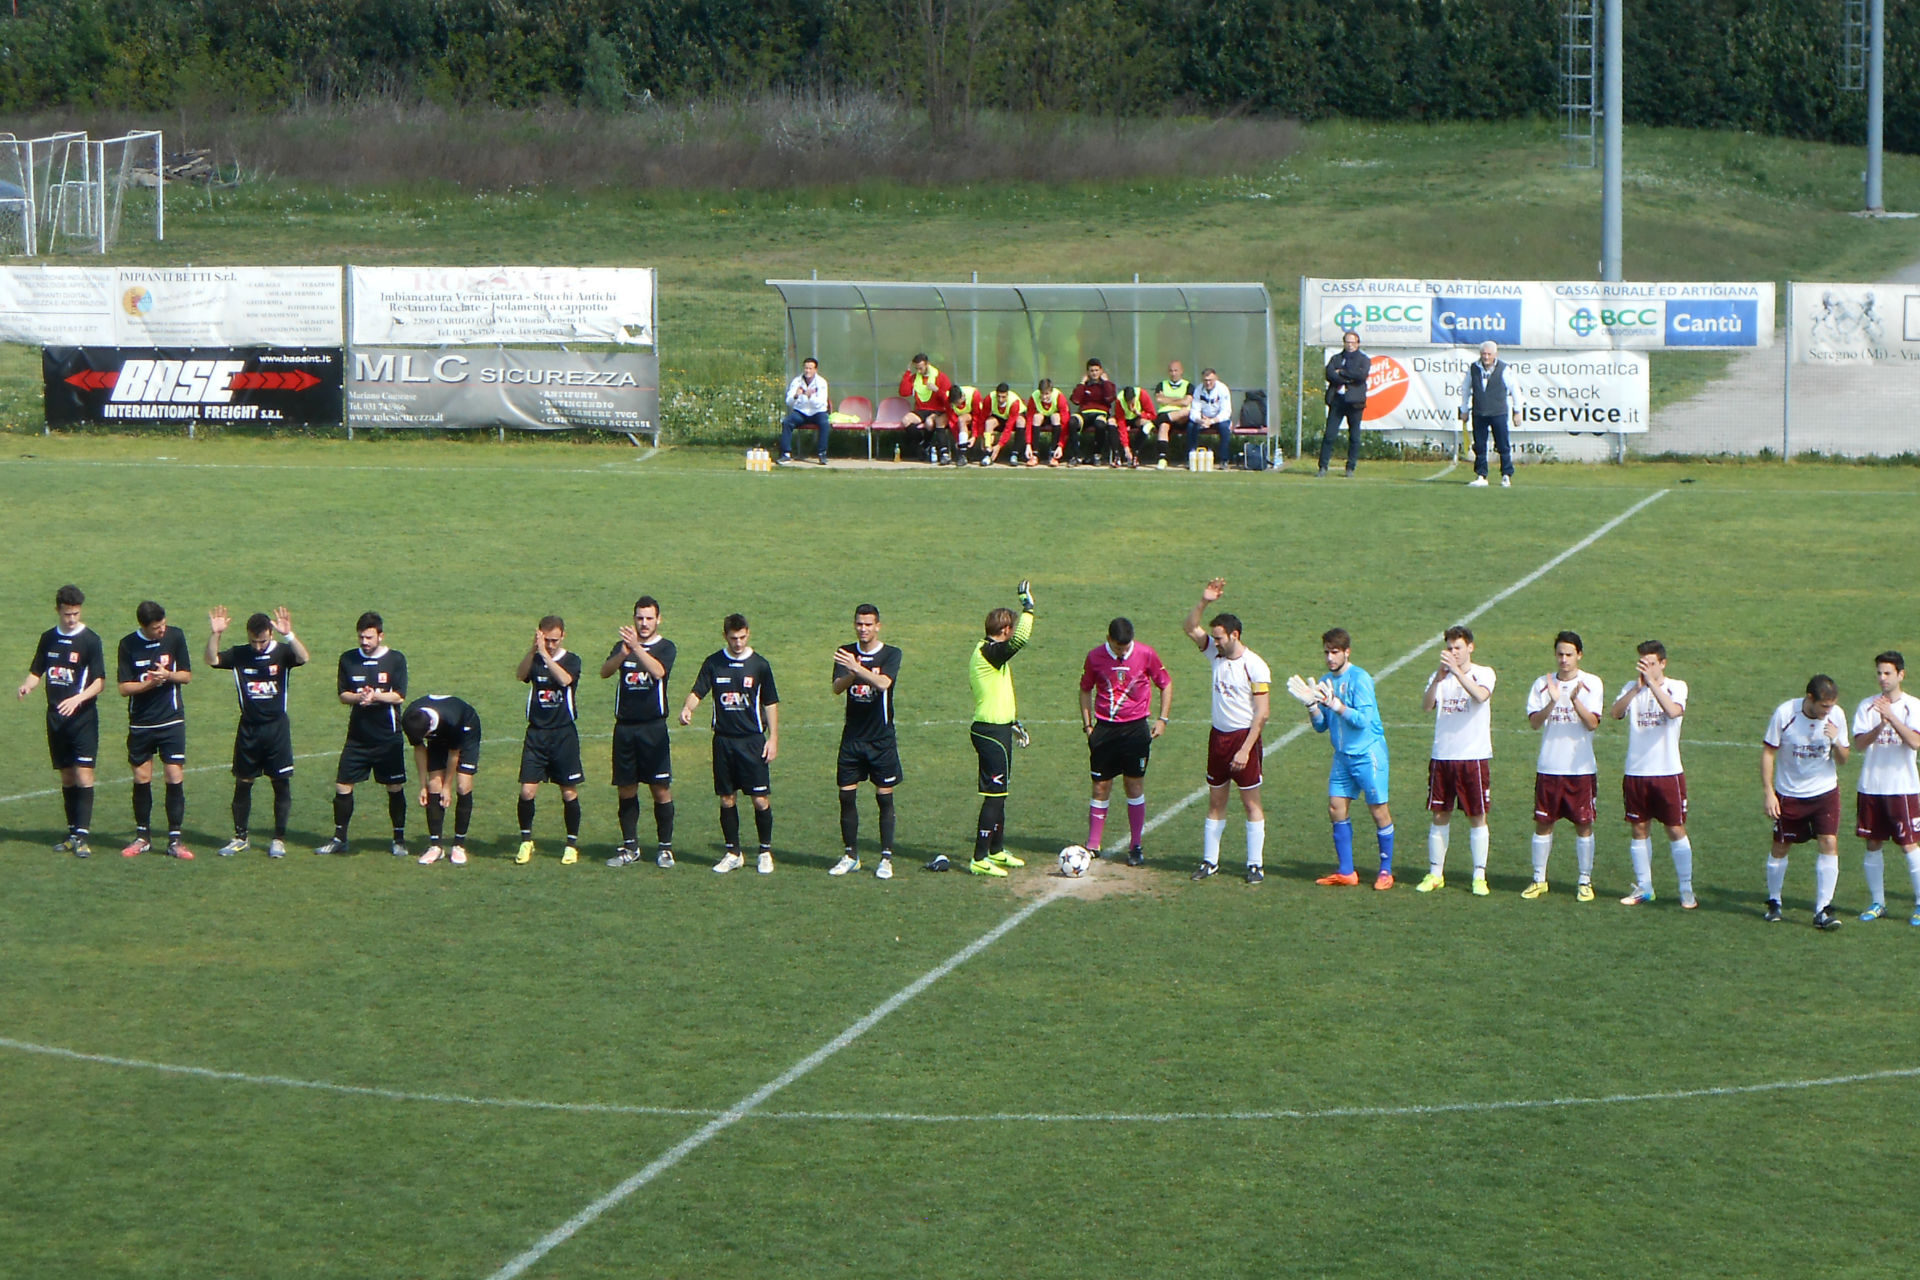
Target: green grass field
(1101, 1090)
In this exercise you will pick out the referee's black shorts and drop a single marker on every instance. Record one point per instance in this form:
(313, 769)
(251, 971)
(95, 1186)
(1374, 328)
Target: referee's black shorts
(1119, 749)
(993, 744)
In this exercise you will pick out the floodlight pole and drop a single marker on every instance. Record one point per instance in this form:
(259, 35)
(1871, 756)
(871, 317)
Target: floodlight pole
(1876, 97)
(1612, 108)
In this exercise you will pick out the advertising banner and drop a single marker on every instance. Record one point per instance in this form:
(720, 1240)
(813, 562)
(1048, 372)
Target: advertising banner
(1840, 324)
(57, 306)
(527, 390)
(447, 306)
(1580, 315)
(252, 385)
(1598, 391)
(171, 306)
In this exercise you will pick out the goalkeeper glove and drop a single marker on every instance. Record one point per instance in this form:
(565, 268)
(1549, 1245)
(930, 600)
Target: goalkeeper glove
(1025, 592)
(1306, 694)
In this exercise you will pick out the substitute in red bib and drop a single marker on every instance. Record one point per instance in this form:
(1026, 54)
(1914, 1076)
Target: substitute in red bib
(1654, 786)
(1460, 771)
(1116, 693)
(1241, 705)
(1805, 741)
(1565, 706)
(1886, 730)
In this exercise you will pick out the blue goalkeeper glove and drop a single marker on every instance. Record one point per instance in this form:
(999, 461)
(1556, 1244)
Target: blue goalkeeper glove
(1025, 592)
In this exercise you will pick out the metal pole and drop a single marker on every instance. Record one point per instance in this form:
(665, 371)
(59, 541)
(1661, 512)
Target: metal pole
(159, 188)
(1786, 394)
(1876, 87)
(1611, 109)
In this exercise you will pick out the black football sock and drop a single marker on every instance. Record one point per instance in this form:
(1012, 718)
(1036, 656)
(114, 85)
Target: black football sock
(526, 818)
(436, 816)
(570, 809)
(142, 808)
(849, 818)
(396, 814)
(242, 806)
(282, 805)
(886, 821)
(342, 813)
(176, 808)
(663, 822)
(82, 811)
(462, 816)
(630, 820)
(68, 802)
(730, 826)
(983, 830)
(763, 827)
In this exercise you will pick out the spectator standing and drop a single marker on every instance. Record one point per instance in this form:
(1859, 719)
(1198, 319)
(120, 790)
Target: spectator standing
(1346, 399)
(1487, 393)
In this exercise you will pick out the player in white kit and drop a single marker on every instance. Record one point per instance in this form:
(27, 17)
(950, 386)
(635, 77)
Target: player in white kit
(1886, 729)
(1799, 778)
(1241, 705)
(1653, 787)
(1565, 706)
(1460, 771)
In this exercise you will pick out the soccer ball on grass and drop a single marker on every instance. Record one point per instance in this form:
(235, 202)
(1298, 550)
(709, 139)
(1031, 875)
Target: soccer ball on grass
(1074, 860)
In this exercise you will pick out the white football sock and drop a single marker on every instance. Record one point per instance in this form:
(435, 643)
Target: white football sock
(1776, 877)
(1583, 852)
(1826, 875)
(1437, 840)
(1641, 851)
(1873, 865)
(1542, 849)
(1913, 874)
(1256, 842)
(1213, 829)
(1683, 863)
(1477, 846)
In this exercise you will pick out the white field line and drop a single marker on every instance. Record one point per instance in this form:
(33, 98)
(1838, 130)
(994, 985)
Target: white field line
(325, 1086)
(1443, 473)
(1165, 815)
(746, 1106)
(1003, 1117)
(739, 1111)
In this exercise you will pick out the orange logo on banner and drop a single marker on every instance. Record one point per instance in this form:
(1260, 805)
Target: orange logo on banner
(1387, 382)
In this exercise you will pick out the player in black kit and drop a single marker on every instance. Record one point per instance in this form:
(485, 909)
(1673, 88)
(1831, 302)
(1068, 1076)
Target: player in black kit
(263, 740)
(551, 750)
(643, 659)
(746, 737)
(154, 663)
(372, 683)
(866, 672)
(72, 662)
(445, 733)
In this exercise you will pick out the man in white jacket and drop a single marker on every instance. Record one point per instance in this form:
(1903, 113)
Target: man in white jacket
(806, 405)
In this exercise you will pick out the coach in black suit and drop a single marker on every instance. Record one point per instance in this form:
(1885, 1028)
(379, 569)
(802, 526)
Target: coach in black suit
(1346, 398)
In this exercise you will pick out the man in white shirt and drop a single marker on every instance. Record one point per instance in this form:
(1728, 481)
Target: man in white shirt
(1654, 786)
(1241, 705)
(1459, 693)
(1211, 410)
(1806, 739)
(1565, 706)
(1886, 729)
(806, 406)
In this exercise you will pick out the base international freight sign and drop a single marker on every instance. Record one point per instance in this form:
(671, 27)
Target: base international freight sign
(1601, 392)
(1572, 315)
(258, 386)
(530, 390)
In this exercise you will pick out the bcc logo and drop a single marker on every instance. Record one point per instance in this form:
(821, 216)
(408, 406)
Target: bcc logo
(1352, 317)
(1584, 321)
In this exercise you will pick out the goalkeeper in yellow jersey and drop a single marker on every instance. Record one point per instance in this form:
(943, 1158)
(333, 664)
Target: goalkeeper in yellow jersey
(995, 726)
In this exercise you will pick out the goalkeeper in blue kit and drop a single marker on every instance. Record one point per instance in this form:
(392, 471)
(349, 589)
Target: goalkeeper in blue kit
(1343, 707)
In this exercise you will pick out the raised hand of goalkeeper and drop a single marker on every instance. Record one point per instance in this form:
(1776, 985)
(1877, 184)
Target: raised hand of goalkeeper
(1025, 592)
